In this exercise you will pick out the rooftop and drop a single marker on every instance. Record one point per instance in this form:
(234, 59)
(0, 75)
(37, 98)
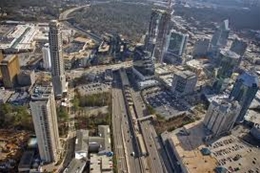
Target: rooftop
(41, 92)
(100, 163)
(104, 132)
(8, 59)
(164, 69)
(252, 116)
(188, 148)
(249, 79)
(194, 63)
(225, 104)
(185, 74)
(229, 53)
(75, 166)
(227, 152)
(82, 140)
(26, 159)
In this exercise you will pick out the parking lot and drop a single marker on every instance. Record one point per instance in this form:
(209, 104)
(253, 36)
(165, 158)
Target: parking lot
(94, 88)
(165, 103)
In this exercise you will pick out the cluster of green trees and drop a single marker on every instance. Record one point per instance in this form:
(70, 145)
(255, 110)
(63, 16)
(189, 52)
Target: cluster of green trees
(92, 121)
(100, 99)
(48, 9)
(15, 116)
(130, 20)
(62, 114)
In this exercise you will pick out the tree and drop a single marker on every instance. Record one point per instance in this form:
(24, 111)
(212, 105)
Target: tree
(62, 114)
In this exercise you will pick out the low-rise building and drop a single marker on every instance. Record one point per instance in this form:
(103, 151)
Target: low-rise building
(100, 164)
(102, 142)
(81, 144)
(10, 68)
(5, 95)
(26, 161)
(26, 78)
(76, 166)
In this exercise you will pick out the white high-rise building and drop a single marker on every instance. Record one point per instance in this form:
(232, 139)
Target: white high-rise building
(220, 37)
(46, 57)
(221, 115)
(57, 63)
(44, 116)
(175, 46)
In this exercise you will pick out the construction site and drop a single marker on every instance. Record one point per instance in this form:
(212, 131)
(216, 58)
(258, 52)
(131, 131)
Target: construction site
(12, 143)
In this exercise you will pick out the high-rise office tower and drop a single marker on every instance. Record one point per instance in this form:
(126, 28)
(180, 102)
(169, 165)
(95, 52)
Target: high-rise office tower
(228, 62)
(57, 64)
(244, 91)
(239, 47)
(221, 115)
(143, 65)
(10, 68)
(220, 37)
(158, 30)
(46, 57)
(44, 116)
(201, 47)
(175, 46)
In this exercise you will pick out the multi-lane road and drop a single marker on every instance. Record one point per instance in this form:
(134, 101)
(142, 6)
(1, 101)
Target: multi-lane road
(154, 160)
(124, 144)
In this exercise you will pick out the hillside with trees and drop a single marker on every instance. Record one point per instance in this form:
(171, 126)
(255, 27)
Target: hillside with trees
(130, 20)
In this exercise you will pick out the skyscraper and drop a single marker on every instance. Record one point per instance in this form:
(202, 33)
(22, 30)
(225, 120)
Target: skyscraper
(201, 47)
(158, 30)
(10, 68)
(221, 115)
(175, 46)
(244, 91)
(220, 37)
(239, 47)
(228, 62)
(44, 116)
(57, 64)
(143, 65)
(46, 57)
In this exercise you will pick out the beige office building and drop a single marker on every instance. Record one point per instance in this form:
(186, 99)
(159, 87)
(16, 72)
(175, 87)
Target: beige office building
(10, 68)
(44, 115)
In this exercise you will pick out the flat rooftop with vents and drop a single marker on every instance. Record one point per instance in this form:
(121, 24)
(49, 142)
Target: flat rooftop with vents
(186, 145)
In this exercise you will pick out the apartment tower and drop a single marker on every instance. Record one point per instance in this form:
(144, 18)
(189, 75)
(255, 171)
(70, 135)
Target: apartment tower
(57, 64)
(44, 116)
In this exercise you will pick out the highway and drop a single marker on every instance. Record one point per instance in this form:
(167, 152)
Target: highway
(123, 131)
(117, 132)
(93, 69)
(64, 16)
(153, 158)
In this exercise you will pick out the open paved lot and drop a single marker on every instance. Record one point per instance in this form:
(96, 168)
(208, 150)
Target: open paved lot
(94, 88)
(166, 103)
